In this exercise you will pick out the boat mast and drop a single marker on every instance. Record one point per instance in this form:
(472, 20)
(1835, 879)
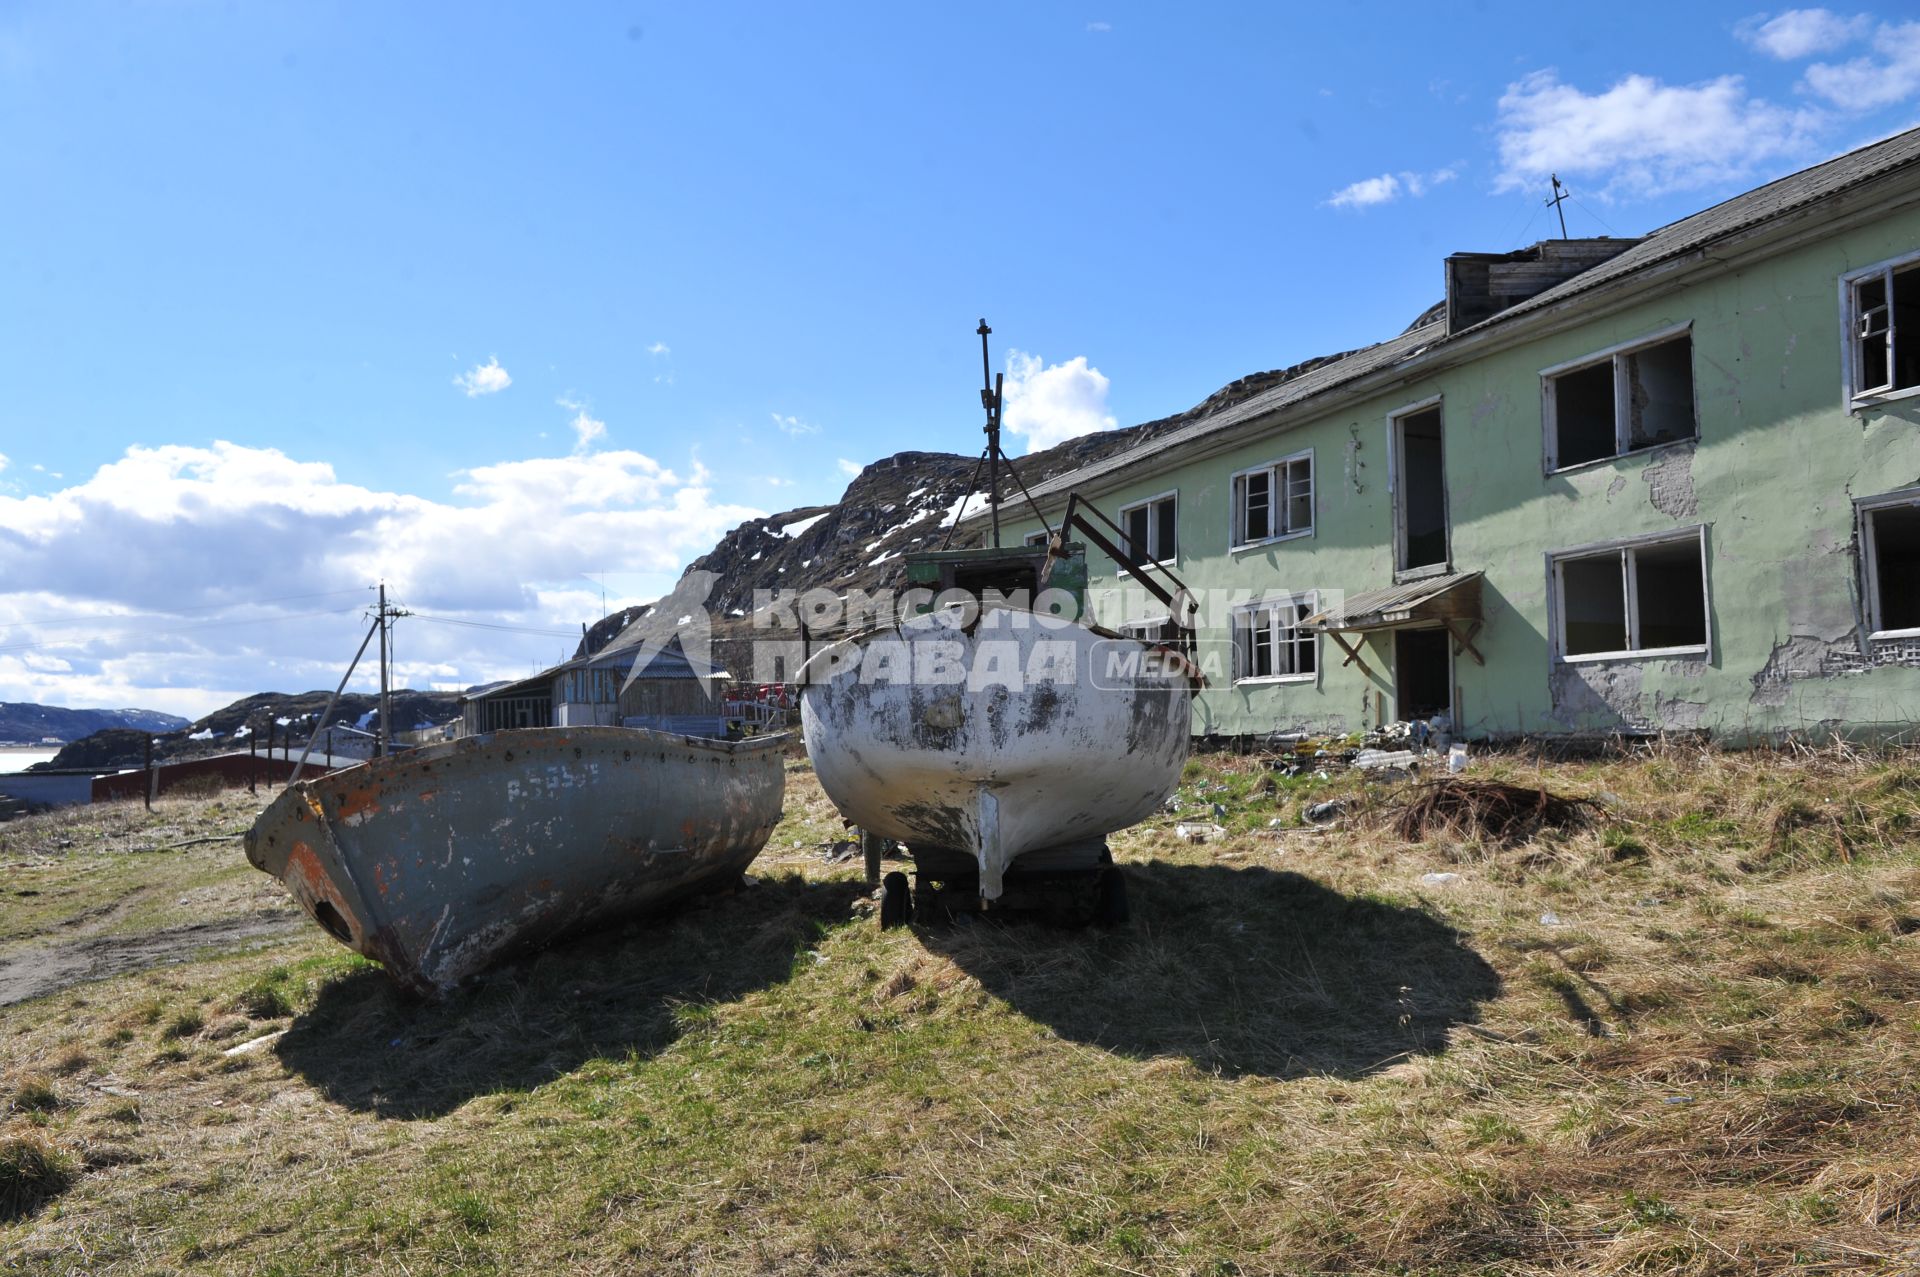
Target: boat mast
(990, 387)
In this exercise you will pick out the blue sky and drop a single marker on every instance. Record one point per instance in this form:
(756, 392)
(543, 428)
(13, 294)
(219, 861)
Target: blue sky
(490, 300)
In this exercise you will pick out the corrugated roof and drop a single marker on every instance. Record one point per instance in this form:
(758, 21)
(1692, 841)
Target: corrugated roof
(1742, 212)
(1356, 611)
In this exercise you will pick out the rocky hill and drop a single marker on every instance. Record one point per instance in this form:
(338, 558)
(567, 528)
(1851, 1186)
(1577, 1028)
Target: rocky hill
(896, 505)
(32, 724)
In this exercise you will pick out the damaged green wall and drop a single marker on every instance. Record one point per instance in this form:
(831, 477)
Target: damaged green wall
(1772, 477)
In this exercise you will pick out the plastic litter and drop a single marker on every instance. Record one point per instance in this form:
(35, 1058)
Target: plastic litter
(1550, 919)
(1440, 879)
(1324, 813)
(1198, 833)
(1457, 757)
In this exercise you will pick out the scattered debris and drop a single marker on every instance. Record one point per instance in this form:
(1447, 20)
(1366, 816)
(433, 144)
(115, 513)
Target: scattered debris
(1495, 808)
(1198, 833)
(1550, 919)
(1439, 879)
(1327, 812)
(1375, 759)
(251, 1045)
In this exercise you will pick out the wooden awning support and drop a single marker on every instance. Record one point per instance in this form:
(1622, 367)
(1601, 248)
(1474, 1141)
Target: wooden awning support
(1463, 640)
(1353, 653)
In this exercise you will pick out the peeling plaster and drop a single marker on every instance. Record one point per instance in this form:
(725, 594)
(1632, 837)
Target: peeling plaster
(1670, 484)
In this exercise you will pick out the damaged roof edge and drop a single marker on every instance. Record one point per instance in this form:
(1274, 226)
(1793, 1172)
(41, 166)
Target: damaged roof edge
(1813, 203)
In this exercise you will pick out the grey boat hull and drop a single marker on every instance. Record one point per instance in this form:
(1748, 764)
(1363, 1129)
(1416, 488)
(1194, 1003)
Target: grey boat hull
(441, 862)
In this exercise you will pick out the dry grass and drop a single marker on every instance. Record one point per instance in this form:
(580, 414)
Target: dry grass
(1304, 1055)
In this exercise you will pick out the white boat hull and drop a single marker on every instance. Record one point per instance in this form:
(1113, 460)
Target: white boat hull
(1016, 734)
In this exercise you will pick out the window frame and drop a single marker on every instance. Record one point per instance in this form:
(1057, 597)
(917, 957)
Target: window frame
(1629, 581)
(1033, 539)
(1853, 399)
(1396, 489)
(1305, 604)
(1236, 500)
(1153, 525)
(1622, 437)
(1863, 510)
(1130, 628)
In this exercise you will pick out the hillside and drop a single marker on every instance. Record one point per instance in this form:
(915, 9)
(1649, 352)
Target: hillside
(895, 506)
(34, 723)
(216, 732)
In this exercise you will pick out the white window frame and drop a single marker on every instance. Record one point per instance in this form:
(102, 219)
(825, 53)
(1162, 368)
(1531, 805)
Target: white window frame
(1304, 605)
(1863, 509)
(1557, 598)
(1154, 555)
(1396, 467)
(1138, 627)
(1850, 335)
(1276, 472)
(1035, 538)
(1622, 416)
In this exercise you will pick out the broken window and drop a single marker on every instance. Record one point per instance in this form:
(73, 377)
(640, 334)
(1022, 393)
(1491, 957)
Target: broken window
(1631, 399)
(1036, 538)
(1150, 529)
(1883, 316)
(1273, 501)
(1890, 550)
(1647, 597)
(1268, 641)
(1420, 497)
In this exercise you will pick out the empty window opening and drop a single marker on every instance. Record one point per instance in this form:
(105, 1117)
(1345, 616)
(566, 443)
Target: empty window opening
(1036, 538)
(1632, 399)
(1151, 530)
(1640, 598)
(1273, 501)
(1884, 320)
(1268, 641)
(1891, 538)
(1422, 496)
(1422, 673)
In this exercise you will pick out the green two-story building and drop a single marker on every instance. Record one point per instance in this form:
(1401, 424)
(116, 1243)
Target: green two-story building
(1670, 483)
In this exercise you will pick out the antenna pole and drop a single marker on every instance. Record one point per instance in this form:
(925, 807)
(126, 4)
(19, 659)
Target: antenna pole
(1559, 197)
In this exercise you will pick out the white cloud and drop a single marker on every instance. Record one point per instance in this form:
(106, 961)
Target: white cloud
(1048, 404)
(3, 461)
(1388, 187)
(793, 425)
(1367, 192)
(849, 468)
(779, 481)
(659, 348)
(1800, 33)
(1642, 137)
(1100, 28)
(173, 558)
(1890, 74)
(483, 379)
(586, 431)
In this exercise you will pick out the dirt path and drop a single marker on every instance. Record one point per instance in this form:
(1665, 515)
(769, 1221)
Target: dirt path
(49, 968)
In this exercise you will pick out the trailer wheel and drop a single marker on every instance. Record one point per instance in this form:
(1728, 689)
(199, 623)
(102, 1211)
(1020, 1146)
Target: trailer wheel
(1110, 898)
(895, 901)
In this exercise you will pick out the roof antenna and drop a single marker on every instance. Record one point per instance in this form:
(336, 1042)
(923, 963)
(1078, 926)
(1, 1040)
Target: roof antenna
(1559, 197)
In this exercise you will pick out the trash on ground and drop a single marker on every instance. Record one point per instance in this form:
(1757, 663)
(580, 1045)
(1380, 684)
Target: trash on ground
(1375, 759)
(1327, 812)
(1198, 833)
(1550, 919)
(1491, 807)
(1439, 879)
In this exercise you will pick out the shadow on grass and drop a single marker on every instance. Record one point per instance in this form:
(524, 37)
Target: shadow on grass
(369, 1046)
(1243, 971)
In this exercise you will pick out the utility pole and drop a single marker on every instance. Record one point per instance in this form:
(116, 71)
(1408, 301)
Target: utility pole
(1559, 197)
(384, 623)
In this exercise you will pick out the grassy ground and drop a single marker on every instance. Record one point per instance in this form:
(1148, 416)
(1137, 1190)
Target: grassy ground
(1680, 1040)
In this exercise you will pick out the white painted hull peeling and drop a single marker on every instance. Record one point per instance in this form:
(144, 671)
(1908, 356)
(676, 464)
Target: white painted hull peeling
(1020, 733)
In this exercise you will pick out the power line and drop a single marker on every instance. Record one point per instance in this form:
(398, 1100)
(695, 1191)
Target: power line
(491, 625)
(83, 618)
(185, 629)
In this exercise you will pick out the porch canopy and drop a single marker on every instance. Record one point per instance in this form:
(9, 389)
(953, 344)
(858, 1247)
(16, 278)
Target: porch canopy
(1449, 601)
